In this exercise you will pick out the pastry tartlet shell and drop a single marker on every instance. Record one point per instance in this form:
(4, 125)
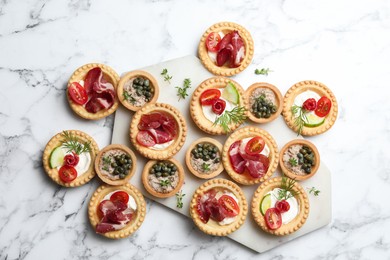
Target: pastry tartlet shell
(148, 188)
(291, 174)
(212, 227)
(196, 108)
(279, 102)
(54, 142)
(296, 223)
(188, 158)
(80, 74)
(322, 90)
(240, 134)
(130, 172)
(172, 149)
(134, 74)
(138, 217)
(224, 70)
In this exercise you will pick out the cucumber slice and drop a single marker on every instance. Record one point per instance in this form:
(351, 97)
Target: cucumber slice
(313, 120)
(56, 157)
(265, 204)
(231, 94)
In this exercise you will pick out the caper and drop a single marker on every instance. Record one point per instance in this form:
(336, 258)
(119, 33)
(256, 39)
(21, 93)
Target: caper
(146, 82)
(148, 94)
(152, 171)
(114, 164)
(205, 152)
(200, 149)
(171, 165)
(122, 176)
(213, 155)
(136, 81)
(217, 160)
(174, 169)
(206, 157)
(165, 174)
(158, 168)
(120, 169)
(194, 151)
(164, 168)
(197, 156)
(158, 174)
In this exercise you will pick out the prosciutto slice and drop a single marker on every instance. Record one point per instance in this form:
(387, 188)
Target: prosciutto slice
(231, 49)
(208, 207)
(115, 215)
(160, 137)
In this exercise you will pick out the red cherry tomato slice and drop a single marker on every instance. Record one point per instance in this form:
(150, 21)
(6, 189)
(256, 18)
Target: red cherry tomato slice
(212, 41)
(77, 93)
(230, 205)
(145, 139)
(323, 107)
(273, 218)
(209, 96)
(219, 106)
(282, 206)
(255, 146)
(120, 196)
(67, 173)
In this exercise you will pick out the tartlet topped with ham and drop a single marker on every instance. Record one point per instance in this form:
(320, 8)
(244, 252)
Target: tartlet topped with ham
(116, 211)
(158, 131)
(91, 91)
(226, 49)
(250, 155)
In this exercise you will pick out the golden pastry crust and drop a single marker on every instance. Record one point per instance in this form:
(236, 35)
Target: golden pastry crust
(285, 229)
(133, 74)
(55, 142)
(138, 217)
(226, 27)
(278, 98)
(149, 188)
(241, 134)
(173, 148)
(212, 227)
(209, 175)
(196, 108)
(322, 90)
(80, 74)
(130, 172)
(291, 174)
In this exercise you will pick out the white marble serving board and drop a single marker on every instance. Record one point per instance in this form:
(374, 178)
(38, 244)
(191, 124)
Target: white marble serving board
(250, 233)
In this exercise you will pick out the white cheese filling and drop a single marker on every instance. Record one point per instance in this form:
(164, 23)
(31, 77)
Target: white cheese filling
(161, 146)
(208, 110)
(213, 55)
(83, 164)
(288, 216)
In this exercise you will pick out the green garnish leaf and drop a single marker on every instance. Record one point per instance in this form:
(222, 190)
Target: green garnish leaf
(128, 97)
(235, 116)
(293, 161)
(287, 189)
(299, 116)
(206, 167)
(263, 71)
(165, 183)
(179, 199)
(182, 92)
(73, 144)
(314, 191)
(167, 77)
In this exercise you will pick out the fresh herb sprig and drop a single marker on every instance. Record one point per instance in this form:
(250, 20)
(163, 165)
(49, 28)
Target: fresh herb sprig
(179, 199)
(287, 189)
(166, 76)
(206, 167)
(299, 116)
(73, 144)
(293, 162)
(165, 183)
(182, 92)
(263, 71)
(106, 162)
(128, 97)
(235, 116)
(314, 191)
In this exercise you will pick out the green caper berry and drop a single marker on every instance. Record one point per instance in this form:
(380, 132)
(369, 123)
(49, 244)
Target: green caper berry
(152, 171)
(122, 176)
(146, 82)
(299, 155)
(171, 165)
(217, 160)
(213, 155)
(158, 174)
(197, 156)
(174, 169)
(158, 167)
(199, 145)
(165, 174)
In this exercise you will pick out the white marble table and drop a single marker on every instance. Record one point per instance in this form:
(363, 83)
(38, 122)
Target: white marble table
(344, 44)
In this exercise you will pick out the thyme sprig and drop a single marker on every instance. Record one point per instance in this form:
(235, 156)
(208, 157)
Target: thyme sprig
(182, 92)
(206, 167)
(128, 97)
(314, 191)
(287, 189)
(166, 76)
(179, 199)
(73, 144)
(263, 71)
(165, 183)
(235, 116)
(299, 116)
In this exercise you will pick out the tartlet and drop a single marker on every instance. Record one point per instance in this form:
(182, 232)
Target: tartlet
(137, 218)
(310, 128)
(225, 28)
(213, 227)
(217, 166)
(79, 75)
(169, 184)
(285, 229)
(298, 172)
(127, 99)
(175, 144)
(247, 133)
(271, 96)
(196, 108)
(58, 157)
(108, 157)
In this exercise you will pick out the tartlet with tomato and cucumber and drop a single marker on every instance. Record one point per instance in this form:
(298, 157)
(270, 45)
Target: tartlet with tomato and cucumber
(280, 206)
(250, 155)
(218, 207)
(69, 157)
(91, 91)
(218, 106)
(158, 131)
(226, 49)
(309, 108)
(116, 211)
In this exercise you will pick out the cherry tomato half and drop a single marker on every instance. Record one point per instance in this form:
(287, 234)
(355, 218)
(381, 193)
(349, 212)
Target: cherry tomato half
(282, 206)
(273, 218)
(77, 93)
(230, 205)
(255, 145)
(219, 106)
(67, 173)
(120, 196)
(145, 139)
(323, 107)
(212, 41)
(209, 96)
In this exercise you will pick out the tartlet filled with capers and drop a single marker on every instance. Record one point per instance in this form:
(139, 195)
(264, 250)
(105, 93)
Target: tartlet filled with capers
(115, 164)
(136, 89)
(163, 179)
(204, 158)
(299, 159)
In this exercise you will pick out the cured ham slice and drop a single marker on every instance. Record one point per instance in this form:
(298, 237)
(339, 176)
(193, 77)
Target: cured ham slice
(236, 160)
(160, 137)
(91, 77)
(239, 50)
(114, 215)
(231, 49)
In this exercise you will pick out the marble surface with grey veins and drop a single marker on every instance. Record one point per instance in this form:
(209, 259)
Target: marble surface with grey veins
(345, 44)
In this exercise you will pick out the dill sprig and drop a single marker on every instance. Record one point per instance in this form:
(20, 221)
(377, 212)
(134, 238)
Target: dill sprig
(263, 71)
(235, 116)
(287, 189)
(179, 199)
(73, 144)
(299, 116)
(167, 77)
(182, 92)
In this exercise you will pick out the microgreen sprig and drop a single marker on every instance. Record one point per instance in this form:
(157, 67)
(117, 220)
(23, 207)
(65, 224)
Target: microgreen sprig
(182, 92)
(73, 144)
(165, 183)
(166, 76)
(128, 97)
(293, 162)
(206, 166)
(179, 199)
(263, 71)
(235, 116)
(314, 191)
